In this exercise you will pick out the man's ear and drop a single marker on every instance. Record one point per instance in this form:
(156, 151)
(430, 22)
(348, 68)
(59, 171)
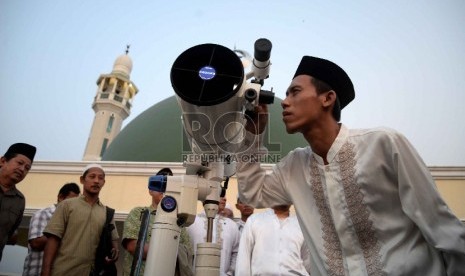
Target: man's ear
(329, 98)
(60, 198)
(2, 160)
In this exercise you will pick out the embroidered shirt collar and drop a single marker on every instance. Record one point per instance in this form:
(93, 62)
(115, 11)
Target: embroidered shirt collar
(335, 147)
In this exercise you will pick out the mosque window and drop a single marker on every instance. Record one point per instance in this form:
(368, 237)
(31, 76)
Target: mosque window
(104, 146)
(110, 123)
(105, 86)
(118, 98)
(119, 87)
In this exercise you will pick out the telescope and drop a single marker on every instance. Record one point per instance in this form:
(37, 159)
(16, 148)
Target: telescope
(214, 93)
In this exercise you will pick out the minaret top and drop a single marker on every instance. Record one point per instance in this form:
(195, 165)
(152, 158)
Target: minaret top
(123, 64)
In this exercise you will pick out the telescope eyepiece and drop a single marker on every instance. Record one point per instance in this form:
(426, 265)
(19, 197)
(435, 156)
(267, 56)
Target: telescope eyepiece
(250, 95)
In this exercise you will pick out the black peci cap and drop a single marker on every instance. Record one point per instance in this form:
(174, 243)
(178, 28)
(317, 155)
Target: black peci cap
(22, 148)
(330, 73)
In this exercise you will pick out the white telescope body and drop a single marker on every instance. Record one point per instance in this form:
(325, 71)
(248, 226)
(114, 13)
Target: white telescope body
(210, 84)
(219, 128)
(177, 209)
(213, 94)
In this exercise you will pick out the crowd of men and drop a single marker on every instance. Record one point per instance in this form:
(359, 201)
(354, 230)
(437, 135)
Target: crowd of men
(64, 237)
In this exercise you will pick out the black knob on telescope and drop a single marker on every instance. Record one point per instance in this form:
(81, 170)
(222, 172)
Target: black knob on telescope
(262, 49)
(266, 97)
(207, 74)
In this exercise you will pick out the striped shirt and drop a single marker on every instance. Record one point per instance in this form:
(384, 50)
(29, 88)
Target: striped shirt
(33, 261)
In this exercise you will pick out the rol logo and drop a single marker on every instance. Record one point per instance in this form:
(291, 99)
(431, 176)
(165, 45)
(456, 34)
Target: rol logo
(207, 73)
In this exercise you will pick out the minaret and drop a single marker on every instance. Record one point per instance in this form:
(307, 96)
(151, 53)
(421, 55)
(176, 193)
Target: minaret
(112, 104)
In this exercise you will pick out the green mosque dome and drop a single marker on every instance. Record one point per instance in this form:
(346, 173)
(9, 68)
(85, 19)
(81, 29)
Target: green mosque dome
(157, 135)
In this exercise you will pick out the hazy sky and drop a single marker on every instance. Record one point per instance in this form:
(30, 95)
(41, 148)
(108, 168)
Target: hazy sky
(406, 60)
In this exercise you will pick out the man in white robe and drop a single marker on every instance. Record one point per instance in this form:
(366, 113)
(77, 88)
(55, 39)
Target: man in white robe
(366, 202)
(272, 244)
(246, 211)
(225, 233)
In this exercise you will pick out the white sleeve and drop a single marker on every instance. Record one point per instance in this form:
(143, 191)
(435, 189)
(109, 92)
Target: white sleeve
(418, 193)
(244, 256)
(235, 248)
(305, 254)
(257, 188)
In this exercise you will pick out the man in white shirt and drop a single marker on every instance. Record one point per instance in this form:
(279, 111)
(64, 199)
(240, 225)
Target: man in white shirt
(225, 233)
(246, 211)
(366, 202)
(227, 212)
(272, 244)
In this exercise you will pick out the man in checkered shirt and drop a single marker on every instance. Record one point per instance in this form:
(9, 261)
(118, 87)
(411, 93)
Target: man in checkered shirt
(36, 239)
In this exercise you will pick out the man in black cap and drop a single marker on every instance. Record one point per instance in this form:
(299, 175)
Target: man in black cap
(14, 166)
(366, 202)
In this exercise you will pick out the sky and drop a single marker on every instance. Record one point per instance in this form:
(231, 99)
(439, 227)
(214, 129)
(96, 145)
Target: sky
(405, 58)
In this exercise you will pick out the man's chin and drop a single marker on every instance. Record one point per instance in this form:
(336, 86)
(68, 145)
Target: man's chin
(290, 130)
(94, 191)
(16, 179)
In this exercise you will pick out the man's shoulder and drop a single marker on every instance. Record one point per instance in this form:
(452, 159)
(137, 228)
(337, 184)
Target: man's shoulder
(49, 210)
(19, 196)
(299, 150)
(380, 131)
(240, 222)
(136, 211)
(198, 226)
(296, 154)
(199, 221)
(229, 222)
(258, 216)
(73, 200)
(377, 133)
(267, 213)
(229, 226)
(69, 202)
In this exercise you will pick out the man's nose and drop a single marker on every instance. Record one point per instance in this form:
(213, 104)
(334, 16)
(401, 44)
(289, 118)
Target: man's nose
(284, 103)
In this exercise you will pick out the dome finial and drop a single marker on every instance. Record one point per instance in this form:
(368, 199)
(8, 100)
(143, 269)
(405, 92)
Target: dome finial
(127, 48)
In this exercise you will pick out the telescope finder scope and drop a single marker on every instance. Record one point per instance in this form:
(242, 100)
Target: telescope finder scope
(157, 183)
(262, 49)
